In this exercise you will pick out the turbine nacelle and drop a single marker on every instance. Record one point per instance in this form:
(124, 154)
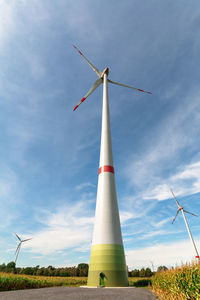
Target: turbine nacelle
(105, 71)
(180, 208)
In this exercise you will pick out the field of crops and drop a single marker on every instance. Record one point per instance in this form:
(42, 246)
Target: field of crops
(181, 283)
(10, 282)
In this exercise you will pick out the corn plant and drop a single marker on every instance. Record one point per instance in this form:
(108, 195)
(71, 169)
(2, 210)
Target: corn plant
(180, 283)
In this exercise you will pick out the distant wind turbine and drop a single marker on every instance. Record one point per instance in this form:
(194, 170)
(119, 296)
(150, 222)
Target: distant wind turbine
(180, 208)
(19, 246)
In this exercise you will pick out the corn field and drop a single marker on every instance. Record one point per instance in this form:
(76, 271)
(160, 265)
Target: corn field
(180, 283)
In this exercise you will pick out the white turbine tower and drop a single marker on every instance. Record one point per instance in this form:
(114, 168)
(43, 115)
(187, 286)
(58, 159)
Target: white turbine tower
(107, 260)
(19, 246)
(180, 208)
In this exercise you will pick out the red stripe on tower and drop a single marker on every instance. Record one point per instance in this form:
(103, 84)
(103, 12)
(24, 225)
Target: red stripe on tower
(83, 99)
(197, 256)
(106, 169)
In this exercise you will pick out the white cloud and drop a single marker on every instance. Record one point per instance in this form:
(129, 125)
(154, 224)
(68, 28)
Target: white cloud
(161, 223)
(10, 194)
(176, 132)
(7, 22)
(163, 254)
(84, 185)
(126, 215)
(151, 234)
(67, 228)
(185, 182)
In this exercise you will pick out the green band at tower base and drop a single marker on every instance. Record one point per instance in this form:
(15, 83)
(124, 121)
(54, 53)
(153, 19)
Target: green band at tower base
(109, 260)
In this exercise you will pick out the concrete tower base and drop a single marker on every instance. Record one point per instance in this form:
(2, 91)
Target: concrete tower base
(107, 266)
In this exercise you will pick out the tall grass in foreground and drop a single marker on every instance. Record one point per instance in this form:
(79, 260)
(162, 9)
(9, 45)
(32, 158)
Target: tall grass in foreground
(10, 282)
(180, 283)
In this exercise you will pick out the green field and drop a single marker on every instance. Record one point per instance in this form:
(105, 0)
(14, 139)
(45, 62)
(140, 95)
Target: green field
(181, 283)
(9, 281)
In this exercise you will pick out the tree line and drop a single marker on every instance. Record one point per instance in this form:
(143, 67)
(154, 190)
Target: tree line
(80, 271)
(145, 272)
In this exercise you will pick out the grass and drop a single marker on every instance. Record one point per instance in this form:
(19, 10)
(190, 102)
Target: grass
(10, 282)
(182, 283)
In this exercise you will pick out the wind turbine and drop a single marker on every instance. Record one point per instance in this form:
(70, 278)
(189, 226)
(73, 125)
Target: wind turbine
(101, 79)
(107, 260)
(180, 208)
(19, 246)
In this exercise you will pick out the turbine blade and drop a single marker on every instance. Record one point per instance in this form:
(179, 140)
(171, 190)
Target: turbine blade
(18, 237)
(91, 65)
(175, 198)
(175, 216)
(26, 240)
(130, 87)
(95, 85)
(190, 213)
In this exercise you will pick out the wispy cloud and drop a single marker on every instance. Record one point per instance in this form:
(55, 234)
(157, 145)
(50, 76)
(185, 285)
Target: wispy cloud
(185, 182)
(7, 22)
(66, 228)
(169, 254)
(159, 168)
(10, 195)
(160, 223)
(84, 185)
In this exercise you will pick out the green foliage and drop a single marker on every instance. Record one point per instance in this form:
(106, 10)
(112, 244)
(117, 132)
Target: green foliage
(148, 272)
(81, 270)
(138, 282)
(135, 273)
(11, 265)
(180, 283)
(162, 268)
(2, 267)
(141, 273)
(142, 283)
(10, 268)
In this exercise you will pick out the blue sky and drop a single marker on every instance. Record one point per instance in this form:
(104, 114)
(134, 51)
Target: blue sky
(49, 155)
